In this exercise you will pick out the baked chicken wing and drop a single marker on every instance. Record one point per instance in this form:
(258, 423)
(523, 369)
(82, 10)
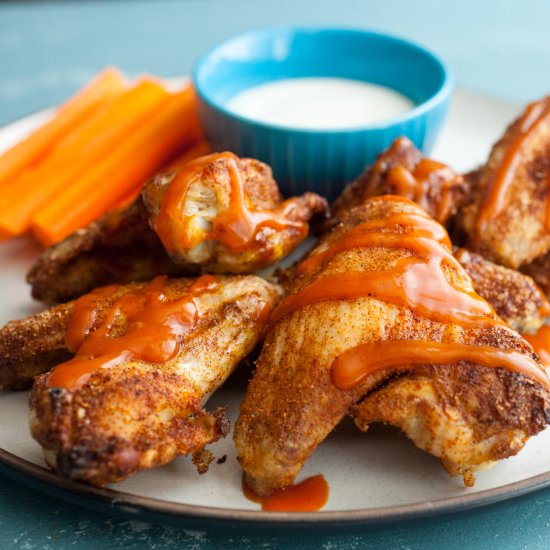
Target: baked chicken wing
(222, 214)
(507, 219)
(403, 171)
(118, 248)
(382, 323)
(146, 358)
(217, 214)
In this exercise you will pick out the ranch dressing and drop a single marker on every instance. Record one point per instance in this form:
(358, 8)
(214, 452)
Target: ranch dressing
(319, 103)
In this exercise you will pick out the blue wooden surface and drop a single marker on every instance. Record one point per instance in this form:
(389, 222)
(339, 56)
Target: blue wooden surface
(48, 49)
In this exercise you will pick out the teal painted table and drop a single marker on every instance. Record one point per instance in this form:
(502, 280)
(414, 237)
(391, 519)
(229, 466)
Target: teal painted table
(49, 49)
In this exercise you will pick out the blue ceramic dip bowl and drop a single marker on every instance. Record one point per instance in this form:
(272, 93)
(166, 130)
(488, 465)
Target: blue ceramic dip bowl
(319, 160)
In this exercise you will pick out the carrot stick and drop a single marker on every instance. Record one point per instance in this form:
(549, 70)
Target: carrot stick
(198, 150)
(100, 130)
(107, 84)
(124, 169)
(76, 154)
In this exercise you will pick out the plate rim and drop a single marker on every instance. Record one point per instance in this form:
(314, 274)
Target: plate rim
(165, 511)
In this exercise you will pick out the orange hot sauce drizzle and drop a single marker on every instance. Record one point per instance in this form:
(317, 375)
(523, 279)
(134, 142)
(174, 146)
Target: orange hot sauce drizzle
(310, 495)
(154, 327)
(541, 344)
(369, 234)
(415, 185)
(419, 283)
(236, 227)
(493, 204)
(84, 316)
(356, 363)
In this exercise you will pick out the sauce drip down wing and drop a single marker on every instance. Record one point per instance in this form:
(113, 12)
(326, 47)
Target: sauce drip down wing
(402, 170)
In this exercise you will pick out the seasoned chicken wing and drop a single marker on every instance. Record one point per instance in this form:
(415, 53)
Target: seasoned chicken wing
(223, 214)
(515, 297)
(219, 214)
(402, 170)
(118, 248)
(507, 217)
(146, 358)
(381, 313)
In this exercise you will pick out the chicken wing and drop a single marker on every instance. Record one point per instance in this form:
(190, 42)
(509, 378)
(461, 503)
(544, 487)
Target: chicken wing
(507, 217)
(147, 358)
(515, 297)
(382, 301)
(219, 214)
(222, 214)
(118, 248)
(402, 170)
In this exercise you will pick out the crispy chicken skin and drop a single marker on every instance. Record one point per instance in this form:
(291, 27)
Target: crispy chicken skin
(518, 233)
(292, 404)
(513, 295)
(30, 346)
(138, 415)
(118, 248)
(402, 170)
(209, 193)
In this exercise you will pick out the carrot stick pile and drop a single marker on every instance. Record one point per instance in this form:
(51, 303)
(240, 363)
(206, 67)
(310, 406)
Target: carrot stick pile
(95, 154)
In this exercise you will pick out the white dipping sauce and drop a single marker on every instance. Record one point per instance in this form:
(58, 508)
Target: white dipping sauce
(319, 103)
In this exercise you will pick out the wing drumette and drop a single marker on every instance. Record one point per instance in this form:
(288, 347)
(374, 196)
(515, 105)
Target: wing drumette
(223, 214)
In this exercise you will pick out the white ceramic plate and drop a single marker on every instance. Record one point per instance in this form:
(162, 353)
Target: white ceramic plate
(373, 477)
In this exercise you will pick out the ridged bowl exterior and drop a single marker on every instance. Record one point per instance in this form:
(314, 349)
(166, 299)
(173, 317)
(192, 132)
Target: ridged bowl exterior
(319, 160)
